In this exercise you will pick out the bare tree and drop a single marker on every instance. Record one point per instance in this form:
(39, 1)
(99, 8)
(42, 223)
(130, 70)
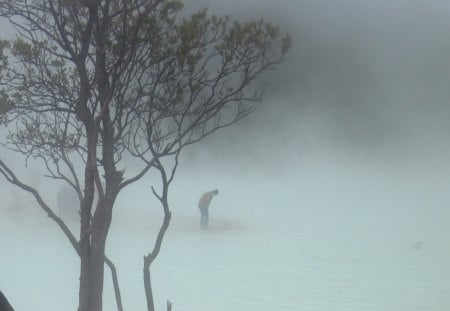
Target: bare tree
(87, 84)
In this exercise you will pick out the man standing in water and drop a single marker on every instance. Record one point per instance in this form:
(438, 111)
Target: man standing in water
(203, 205)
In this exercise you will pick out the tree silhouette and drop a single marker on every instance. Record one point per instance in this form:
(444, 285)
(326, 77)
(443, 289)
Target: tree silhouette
(87, 84)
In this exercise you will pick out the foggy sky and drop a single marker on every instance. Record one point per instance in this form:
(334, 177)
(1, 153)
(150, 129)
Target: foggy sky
(362, 76)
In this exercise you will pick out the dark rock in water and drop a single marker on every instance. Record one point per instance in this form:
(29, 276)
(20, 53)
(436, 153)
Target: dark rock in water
(4, 304)
(417, 245)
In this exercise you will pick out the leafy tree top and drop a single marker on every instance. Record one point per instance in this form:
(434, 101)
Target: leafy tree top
(161, 80)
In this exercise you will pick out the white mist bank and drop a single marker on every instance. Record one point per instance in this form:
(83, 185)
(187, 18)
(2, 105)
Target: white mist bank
(326, 235)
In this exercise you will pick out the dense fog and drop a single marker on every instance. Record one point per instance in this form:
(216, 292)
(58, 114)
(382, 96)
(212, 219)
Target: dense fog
(334, 193)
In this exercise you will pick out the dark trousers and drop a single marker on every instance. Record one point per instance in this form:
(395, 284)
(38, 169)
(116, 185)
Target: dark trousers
(204, 217)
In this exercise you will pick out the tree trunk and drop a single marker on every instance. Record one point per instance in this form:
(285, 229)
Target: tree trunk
(85, 284)
(148, 260)
(115, 281)
(148, 284)
(93, 275)
(91, 280)
(85, 220)
(97, 269)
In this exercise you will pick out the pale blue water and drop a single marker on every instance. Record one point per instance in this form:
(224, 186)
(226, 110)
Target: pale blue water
(337, 241)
